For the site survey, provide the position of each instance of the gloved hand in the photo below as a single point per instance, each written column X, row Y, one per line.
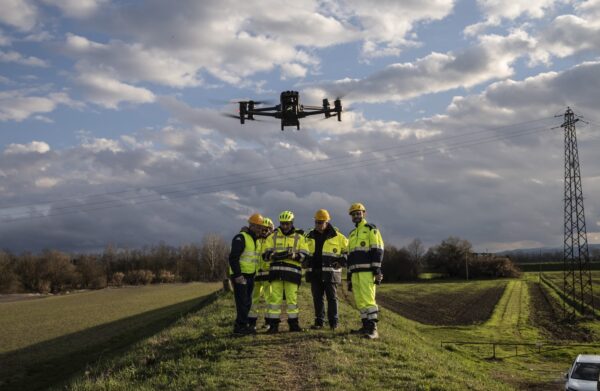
column 336, row 265
column 280, row 256
column 296, row 257
column 378, row 278
column 349, row 286
column 268, row 255
column 240, row 280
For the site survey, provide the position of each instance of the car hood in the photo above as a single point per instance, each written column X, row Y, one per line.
column 582, row 385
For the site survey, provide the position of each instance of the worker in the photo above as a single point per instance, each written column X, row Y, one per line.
column 262, row 288
column 365, row 254
column 242, row 267
column 285, row 249
column 327, row 249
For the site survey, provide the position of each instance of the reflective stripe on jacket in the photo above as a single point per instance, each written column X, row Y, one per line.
column 286, row 269
column 262, row 270
column 365, row 248
column 249, row 257
column 335, row 249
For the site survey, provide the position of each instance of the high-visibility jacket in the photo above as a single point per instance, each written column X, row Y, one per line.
column 248, row 259
column 262, row 270
column 365, row 248
column 287, row 269
column 334, row 251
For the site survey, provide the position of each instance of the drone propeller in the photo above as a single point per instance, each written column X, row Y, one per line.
column 229, row 115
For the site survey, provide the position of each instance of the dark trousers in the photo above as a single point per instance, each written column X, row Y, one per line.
column 329, row 289
column 243, row 299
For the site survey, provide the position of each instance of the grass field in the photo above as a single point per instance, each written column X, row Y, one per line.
column 517, row 317
column 44, row 340
column 199, row 353
column 555, row 282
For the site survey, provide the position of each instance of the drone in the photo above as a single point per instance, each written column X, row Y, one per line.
column 289, row 110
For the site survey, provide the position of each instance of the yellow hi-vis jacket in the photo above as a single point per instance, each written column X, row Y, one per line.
column 286, row 253
column 325, row 264
column 262, row 270
column 365, row 248
column 248, row 259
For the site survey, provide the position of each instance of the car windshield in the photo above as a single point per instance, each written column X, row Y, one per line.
column 586, row 371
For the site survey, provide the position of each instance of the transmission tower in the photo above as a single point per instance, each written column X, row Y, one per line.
column 577, row 275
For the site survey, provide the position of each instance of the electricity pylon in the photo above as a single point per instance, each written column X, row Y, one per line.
column 577, row 275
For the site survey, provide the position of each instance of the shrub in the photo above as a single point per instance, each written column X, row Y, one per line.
column 165, row 276
column 117, row 279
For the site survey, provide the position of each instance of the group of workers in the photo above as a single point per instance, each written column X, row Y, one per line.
column 268, row 262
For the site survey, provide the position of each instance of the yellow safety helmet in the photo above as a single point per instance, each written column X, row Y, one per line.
column 322, row 215
column 267, row 222
column 356, row 206
column 256, row 218
column 286, row 216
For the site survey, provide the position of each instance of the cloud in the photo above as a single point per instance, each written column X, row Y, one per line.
column 77, row 8
column 109, row 93
column 130, row 62
column 566, row 36
column 495, row 11
column 34, row 146
column 15, row 57
column 17, row 105
column 20, row 14
column 490, row 59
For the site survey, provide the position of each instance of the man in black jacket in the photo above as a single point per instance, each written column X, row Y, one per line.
column 243, row 259
column 327, row 249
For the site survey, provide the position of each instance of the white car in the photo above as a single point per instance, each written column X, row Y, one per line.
column 583, row 375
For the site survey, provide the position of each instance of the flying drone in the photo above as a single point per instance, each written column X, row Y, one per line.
column 289, row 110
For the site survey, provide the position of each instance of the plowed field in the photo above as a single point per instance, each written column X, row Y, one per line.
column 451, row 304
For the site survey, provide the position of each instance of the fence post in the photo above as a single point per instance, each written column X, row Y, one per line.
column 494, row 349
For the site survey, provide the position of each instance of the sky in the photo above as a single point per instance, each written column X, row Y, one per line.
column 112, row 129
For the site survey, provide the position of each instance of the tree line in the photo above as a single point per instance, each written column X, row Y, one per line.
column 54, row 271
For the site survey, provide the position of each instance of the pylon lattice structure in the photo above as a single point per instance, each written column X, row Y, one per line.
column 577, row 275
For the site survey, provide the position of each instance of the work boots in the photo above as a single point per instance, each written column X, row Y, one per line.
column 252, row 324
column 294, row 325
column 273, row 326
column 363, row 329
column 243, row 329
column 318, row 325
column 371, row 332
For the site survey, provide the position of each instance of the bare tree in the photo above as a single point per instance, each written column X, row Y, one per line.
column 416, row 251
column 213, row 257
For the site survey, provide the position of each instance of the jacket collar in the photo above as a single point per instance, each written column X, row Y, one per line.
column 291, row 232
column 249, row 232
column 329, row 232
column 361, row 223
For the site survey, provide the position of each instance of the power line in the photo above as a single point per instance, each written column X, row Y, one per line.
column 277, row 169
column 261, row 181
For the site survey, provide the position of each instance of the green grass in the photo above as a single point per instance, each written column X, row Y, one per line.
column 198, row 352
column 43, row 340
column 510, row 322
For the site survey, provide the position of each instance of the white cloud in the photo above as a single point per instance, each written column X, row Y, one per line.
column 131, row 62
column 17, row 105
column 292, row 70
column 20, row 14
column 565, row 36
column 34, row 146
column 109, row 93
column 102, row 144
column 15, row 57
column 495, row 11
column 385, row 29
column 491, row 59
column 77, row 8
